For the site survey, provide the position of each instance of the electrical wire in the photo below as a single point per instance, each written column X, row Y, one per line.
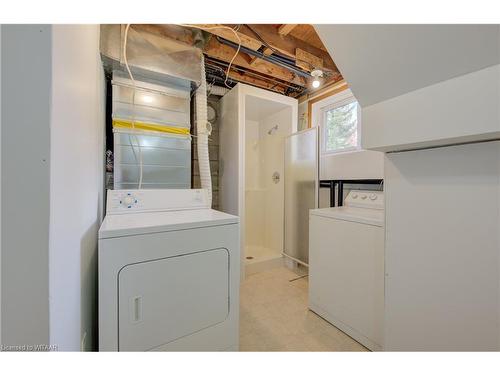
column 259, row 76
column 280, row 54
column 227, row 28
column 133, row 105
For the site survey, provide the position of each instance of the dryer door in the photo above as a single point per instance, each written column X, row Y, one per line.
column 165, row 299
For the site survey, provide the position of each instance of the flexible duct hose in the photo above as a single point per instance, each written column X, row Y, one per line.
column 203, row 130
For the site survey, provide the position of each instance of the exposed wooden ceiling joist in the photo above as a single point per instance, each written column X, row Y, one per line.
column 267, row 51
column 240, row 77
column 251, row 77
column 264, row 38
column 287, row 44
column 286, row 28
column 224, row 32
column 225, row 53
column 308, row 34
column 308, row 61
column 280, row 41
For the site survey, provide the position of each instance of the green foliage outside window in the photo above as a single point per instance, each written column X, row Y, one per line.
column 342, row 127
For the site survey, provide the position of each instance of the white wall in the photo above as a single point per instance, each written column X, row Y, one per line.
column 230, row 150
column 302, row 117
column 0, row 185
column 274, row 151
column 76, row 184
column 360, row 164
column 380, row 62
column 442, row 248
column 254, row 188
column 52, row 133
column 253, row 156
column 462, row 109
column 420, row 85
column 26, row 84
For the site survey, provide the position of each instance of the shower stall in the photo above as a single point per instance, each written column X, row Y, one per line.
column 254, row 124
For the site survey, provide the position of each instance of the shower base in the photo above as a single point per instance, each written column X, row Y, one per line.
column 258, row 259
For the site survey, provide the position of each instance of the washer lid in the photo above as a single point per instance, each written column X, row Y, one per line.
column 153, row 222
column 354, row 214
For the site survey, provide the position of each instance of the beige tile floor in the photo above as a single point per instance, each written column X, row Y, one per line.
column 274, row 317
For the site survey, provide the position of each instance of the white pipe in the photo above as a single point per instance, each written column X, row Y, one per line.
column 203, row 131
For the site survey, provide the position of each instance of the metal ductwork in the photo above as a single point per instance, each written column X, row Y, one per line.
column 150, row 55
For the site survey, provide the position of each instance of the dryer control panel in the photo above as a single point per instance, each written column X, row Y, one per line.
column 146, row 200
column 366, row 199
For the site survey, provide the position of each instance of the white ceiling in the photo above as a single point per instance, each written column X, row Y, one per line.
column 384, row 61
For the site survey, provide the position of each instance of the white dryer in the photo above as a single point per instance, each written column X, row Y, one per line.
column 168, row 273
column 346, row 266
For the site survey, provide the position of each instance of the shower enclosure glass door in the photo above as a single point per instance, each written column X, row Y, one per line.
column 301, row 191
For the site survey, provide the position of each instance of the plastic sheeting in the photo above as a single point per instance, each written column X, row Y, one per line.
column 152, row 53
column 301, row 191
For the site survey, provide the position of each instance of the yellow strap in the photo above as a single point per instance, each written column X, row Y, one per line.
column 151, row 127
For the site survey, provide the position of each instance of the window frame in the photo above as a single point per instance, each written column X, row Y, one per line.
column 335, row 101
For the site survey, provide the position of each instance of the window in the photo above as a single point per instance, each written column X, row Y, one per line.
column 340, row 122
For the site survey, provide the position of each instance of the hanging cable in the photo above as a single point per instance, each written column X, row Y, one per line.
column 125, row 39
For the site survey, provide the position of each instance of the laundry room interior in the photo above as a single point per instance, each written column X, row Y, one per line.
column 250, row 187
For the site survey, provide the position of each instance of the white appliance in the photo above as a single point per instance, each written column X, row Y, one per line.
column 346, row 266
column 168, row 273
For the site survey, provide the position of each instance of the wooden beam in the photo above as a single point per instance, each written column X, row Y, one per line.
column 225, row 53
column 307, row 61
column 225, row 33
column 267, row 51
column 221, row 52
column 286, row 28
column 256, row 82
column 284, row 43
column 287, row 44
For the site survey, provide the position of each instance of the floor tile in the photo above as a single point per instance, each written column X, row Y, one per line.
column 274, row 316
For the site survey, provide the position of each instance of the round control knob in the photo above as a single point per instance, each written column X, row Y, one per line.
column 128, row 201
column 373, row 197
column 363, row 196
column 354, row 196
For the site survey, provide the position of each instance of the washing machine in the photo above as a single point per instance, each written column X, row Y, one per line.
column 168, row 273
column 346, row 266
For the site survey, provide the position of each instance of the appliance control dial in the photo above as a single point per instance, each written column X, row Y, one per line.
column 128, row 200
column 373, row 197
column 364, row 196
column 355, row 195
